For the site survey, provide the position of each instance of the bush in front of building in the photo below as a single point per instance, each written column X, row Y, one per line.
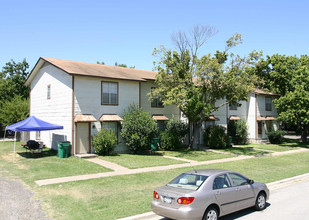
column 276, row 137
column 138, row 129
column 104, row 142
column 172, row 137
column 238, row 130
column 215, row 137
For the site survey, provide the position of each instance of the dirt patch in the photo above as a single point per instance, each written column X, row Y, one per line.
column 16, row 201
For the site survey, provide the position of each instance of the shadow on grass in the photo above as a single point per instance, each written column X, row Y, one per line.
column 293, row 143
column 46, row 152
column 248, row 151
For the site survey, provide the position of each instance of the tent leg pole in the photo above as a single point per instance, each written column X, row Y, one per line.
column 14, row 155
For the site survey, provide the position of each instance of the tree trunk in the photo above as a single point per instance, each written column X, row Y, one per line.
column 304, row 133
column 194, row 134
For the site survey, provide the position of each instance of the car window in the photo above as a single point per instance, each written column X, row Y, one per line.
column 238, row 180
column 188, row 181
column 221, row 181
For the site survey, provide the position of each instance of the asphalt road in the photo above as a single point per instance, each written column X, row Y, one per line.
column 288, row 202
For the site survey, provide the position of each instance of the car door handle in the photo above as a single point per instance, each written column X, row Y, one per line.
column 218, row 193
column 237, row 189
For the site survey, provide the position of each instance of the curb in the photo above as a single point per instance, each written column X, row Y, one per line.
column 272, row 186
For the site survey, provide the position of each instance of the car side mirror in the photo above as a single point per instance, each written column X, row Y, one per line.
column 250, row 181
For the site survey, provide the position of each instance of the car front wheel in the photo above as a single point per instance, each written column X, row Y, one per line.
column 260, row 202
column 211, row 213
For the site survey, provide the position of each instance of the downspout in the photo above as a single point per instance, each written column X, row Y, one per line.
column 73, row 124
column 256, row 123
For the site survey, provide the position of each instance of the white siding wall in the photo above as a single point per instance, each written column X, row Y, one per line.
column 57, row 109
column 170, row 111
column 88, row 101
column 251, row 119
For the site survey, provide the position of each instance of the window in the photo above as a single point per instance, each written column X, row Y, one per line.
column 37, row 135
column 233, row 106
column 48, row 91
column 238, row 180
column 109, row 93
column 113, row 125
column 268, row 103
column 156, row 102
column 221, row 182
column 188, row 181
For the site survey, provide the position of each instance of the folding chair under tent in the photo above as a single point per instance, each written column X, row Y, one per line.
column 31, row 124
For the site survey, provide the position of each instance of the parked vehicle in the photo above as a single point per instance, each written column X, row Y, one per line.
column 208, row 194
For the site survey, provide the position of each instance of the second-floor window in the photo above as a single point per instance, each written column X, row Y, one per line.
column 156, row 102
column 233, row 106
column 109, row 93
column 48, row 91
column 268, row 103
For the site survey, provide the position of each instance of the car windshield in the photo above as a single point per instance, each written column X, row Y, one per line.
column 188, row 181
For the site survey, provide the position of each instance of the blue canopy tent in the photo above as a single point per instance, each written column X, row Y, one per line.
column 31, row 124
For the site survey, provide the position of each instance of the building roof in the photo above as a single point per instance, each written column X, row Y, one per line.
column 93, row 70
column 262, row 92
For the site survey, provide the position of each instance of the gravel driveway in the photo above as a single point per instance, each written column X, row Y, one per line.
column 16, row 202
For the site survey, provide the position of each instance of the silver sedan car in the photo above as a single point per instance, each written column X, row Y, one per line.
column 208, row 194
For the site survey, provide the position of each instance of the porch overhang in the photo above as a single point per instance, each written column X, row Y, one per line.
column 84, row 118
column 160, row 118
column 234, row 118
column 212, row 118
column 267, row 118
column 110, row 117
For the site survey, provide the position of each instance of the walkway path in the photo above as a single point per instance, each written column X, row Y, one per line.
column 119, row 170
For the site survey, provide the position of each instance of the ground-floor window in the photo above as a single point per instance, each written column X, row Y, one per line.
column 269, row 126
column 113, row 125
column 161, row 125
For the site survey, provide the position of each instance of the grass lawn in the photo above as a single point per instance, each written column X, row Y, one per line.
column 139, row 161
column 243, row 150
column 120, row 196
column 196, row 155
column 272, row 147
column 30, row 167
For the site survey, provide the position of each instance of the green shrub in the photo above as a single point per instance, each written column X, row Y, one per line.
column 104, row 142
column 172, row 137
column 215, row 137
column 275, row 137
column 138, row 129
column 238, row 130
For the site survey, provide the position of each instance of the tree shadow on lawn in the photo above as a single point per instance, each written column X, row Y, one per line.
column 293, row 143
column 249, row 151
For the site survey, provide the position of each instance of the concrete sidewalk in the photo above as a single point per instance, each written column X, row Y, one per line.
column 119, row 170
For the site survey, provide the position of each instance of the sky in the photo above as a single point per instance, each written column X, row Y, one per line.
column 128, row 31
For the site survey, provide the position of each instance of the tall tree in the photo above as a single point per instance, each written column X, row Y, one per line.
column 13, row 77
column 195, row 85
column 288, row 76
column 14, row 102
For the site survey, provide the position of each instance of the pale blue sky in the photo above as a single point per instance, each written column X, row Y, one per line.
column 128, row 31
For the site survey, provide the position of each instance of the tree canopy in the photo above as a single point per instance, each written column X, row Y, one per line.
column 288, row 76
column 196, row 84
column 14, row 102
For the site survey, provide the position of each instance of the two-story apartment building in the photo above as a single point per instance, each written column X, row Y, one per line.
column 86, row 97
column 259, row 113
